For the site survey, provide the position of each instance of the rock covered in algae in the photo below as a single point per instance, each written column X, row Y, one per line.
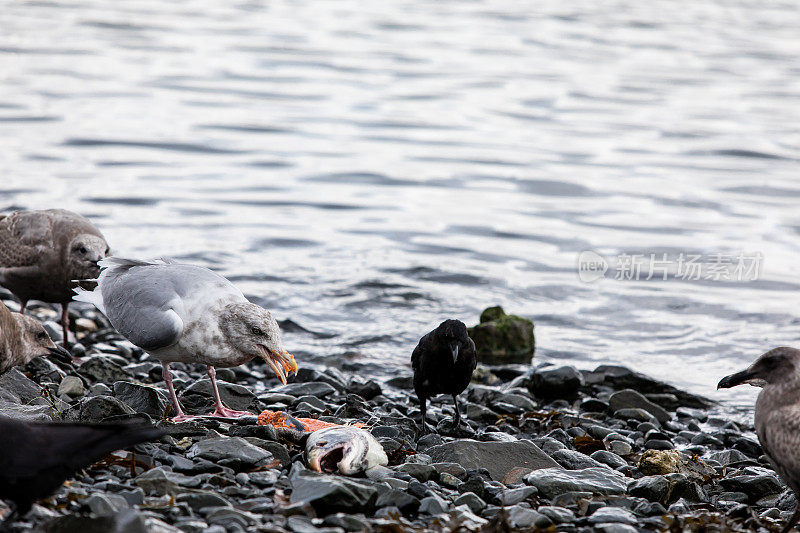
column 502, row 338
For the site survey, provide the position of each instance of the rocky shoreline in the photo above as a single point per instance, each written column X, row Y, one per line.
column 604, row 450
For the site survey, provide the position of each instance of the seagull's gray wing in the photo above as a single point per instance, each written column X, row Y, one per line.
column 141, row 304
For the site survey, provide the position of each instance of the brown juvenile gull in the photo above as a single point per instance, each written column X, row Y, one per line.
column 43, row 252
column 777, row 416
column 185, row 313
column 23, row 338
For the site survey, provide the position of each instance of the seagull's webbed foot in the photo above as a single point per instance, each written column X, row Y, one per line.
column 223, row 412
column 219, row 409
column 183, row 418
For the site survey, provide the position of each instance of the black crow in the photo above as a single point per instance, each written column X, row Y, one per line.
column 443, row 362
column 36, row 457
column 777, row 416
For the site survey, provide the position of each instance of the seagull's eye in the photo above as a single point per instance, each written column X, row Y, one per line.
column 82, row 249
column 41, row 335
column 256, row 331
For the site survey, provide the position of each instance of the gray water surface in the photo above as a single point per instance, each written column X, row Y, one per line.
column 367, row 169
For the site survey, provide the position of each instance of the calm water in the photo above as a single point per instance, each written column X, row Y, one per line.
column 367, row 170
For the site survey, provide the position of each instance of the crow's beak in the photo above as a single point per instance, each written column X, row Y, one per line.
column 454, row 350
column 280, row 363
column 60, row 354
column 736, row 379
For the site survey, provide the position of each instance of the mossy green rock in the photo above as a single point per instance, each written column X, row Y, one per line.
column 502, row 338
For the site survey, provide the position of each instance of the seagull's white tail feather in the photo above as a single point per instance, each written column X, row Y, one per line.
column 94, row 297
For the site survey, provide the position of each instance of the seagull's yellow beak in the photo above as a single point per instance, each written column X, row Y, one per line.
column 280, row 363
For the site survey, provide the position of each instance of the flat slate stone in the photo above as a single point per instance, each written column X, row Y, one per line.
column 497, row 457
column 630, row 399
column 552, row 482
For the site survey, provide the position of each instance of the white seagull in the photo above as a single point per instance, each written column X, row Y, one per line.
column 186, row 313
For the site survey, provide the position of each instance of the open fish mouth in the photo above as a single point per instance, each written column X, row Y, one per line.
column 280, row 363
column 329, row 461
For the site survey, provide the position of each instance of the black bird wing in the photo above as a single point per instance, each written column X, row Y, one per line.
column 36, row 458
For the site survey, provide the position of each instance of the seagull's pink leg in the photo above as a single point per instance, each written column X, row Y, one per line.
column 181, row 416
column 22, row 304
column 219, row 409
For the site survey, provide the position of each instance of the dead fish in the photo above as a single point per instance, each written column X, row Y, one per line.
column 345, row 449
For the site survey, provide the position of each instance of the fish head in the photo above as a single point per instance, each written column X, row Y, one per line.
column 337, row 449
column 253, row 331
column 777, row 365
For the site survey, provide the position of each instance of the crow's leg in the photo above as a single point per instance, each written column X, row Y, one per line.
column 219, row 409
column 457, row 416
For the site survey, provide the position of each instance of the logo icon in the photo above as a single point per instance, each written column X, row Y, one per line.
column 591, row 266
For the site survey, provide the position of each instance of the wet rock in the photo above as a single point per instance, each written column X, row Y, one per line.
column 630, row 399
column 471, row 500
column 613, row 527
column 141, row 399
column 320, row 389
column 515, row 496
column 593, row 405
column 620, row 377
column 234, row 452
column 562, row 382
column 612, row 515
column 479, row 413
column 755, row 486
column 98, row 408
column 16, row 387
column 418, row 471
column 127, row 521
column 652, row 488
column 366, row 389
column 71, row 386
column 100, row 368
column 608, row 458
column 572, row 460
column 161, row 482
column 106, row 504
column 198, row 499
column 199, row 397
column 619, row 447
column 524, row 517
column 227, row 516
column 432, row 505
column 347, row 522
column 552, row 482
column 331, row 494
column 44, row 370
column 406, row 503
column 498, row 458
column 502, row 338
column 635, row 414
column 454, row 469
column 727, row 457
column 558, row 515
